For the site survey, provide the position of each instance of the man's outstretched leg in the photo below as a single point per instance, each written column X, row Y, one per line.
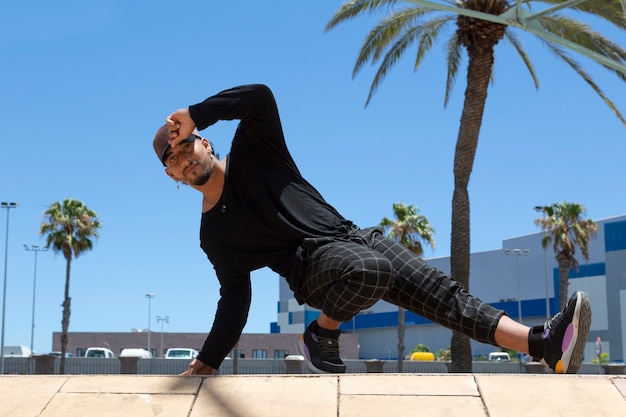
column 420, row 288
column 559, row 342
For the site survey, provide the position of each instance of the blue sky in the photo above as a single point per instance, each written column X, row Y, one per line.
column 86, row 84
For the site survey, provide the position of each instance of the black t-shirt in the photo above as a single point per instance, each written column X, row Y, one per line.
column 265, row 211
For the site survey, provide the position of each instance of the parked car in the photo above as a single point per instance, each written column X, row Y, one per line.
column 181, row 353
column 17, row 352
column 58, row 354
column 99, row 352
column 499, row 357
column 135, row 353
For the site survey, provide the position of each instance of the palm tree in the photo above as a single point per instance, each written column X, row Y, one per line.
column 423, row 26
column 564, row 226
column 69, row 227
column 410, row 229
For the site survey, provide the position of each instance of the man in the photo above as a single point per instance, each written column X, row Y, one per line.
column 258, row 211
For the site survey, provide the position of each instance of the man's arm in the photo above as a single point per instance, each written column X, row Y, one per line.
column 230, row 319
column 252, row 103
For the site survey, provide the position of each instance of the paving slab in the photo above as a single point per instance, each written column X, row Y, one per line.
column 268, row 395
column 106, row 405
column 405, row 405
column 550, row 395
column 133, row 384
column 409, row 384
column 620, row 383
column 27, row 395
column 398, row 394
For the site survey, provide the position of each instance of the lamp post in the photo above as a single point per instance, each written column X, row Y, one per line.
column 517, row 253
column 545, row 264
column 163, row 320
column 36, row 249
column 149, row 296
column 7, row 206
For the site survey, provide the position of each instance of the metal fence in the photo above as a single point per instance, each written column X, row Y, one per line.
column 159, row 366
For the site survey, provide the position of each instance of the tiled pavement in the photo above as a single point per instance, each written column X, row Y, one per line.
column 367, row 395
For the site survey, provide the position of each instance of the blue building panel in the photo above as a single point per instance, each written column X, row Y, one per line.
column 584, row 271
column 386, row 319
column 274, row 327
column 309, row 316
column 530, row 308
column 588, row 270
column 615, row 236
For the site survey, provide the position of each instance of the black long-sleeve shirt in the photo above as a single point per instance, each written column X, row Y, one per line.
column 265, row 211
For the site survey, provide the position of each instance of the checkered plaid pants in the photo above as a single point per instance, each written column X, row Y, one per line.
column 344, row 276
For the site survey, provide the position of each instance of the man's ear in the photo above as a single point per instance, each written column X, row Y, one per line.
column 169, row 174
column 207, row 145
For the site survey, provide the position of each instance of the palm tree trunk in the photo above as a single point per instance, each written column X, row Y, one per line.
column 478, row 74
column 65, row 322
column 401, row 330
column 564, row 266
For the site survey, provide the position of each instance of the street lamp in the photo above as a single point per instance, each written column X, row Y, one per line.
column 4, row 291
column 163, row 320
column 545, row 264
column 36, row 249
column 149, row 296
column 517, row 253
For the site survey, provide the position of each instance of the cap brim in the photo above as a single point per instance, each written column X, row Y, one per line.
column 190, row 138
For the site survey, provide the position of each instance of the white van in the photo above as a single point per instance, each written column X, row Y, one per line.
column 181, row 353
column 135, row 353
column 99, row 352
column 16, row 352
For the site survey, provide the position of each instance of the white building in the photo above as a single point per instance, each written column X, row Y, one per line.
column 494, row 278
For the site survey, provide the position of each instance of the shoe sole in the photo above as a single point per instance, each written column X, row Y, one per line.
column 304, row 351
column 581, row 322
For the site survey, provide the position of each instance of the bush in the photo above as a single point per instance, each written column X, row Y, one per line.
column 420, row 348
column 604, row 358
column 443, row 354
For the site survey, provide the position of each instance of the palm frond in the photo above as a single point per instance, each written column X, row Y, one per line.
column 609, row 10
column 522, row 53
column 354, row 8
column 391, row 57
column 453, row 57
column 581, row 34
column 576, row 67
column 430, row 34
column 383, row 34
column 429, row 30
column 410, row 228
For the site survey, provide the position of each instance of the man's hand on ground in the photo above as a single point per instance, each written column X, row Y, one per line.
column 197, row 367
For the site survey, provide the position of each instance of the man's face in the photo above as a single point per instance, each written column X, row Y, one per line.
column 190, row 162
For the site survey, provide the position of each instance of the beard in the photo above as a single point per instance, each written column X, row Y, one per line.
column 202, row 177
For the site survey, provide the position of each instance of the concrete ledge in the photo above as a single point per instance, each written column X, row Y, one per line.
column 374, row 395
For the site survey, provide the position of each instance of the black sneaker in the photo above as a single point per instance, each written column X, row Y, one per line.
column 565, row 335
column 321, row 351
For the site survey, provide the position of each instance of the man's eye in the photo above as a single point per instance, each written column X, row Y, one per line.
column 172, row 159
column 187, row 147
